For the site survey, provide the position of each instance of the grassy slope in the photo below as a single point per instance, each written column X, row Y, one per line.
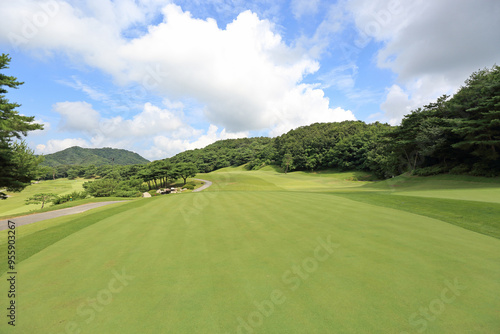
column 443, row 186
column 200, row 261
column 15, row 205
column 469, row 202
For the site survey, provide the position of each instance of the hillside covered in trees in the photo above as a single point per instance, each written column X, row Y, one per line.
column 93, row 156
column 459, row 135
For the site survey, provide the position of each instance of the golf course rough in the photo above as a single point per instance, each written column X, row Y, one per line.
column 261, row 252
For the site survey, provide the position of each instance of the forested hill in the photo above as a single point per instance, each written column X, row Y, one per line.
column 344, row 145
column 457, row 135
column 93, row 156
column 229, row 152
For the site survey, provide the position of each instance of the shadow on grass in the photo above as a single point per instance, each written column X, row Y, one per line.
column 480, row 217
column 441, row 182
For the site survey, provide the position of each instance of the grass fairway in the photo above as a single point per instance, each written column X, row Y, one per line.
column 259, row 252
column 457, row 187
column 15, row 204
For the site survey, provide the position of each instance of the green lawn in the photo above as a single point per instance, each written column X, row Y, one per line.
column 15, row 204
column 263, row 252
column 443, row 186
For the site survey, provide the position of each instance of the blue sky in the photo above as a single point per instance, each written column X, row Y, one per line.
column 160, row 77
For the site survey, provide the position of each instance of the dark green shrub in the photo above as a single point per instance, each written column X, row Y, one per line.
column 460, row 169
column 74, row 196
column 428, row 171
column 127, row 193
column 101, row 188
column 482, row 169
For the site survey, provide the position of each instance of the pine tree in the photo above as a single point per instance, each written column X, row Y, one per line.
column 14, row 177
column 479, row 103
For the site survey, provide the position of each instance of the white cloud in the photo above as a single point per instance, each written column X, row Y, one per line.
column 46, row 128
column 452, row 38
column 304, row 7
column 80, row 116
column 433, row 46
column 152, row 120
column 77, row 116
column 296, row 109
column 55, row 145
column 243, row 74
column 236, row 72
column 166, row 146
column 396, row 105
column 155, row 133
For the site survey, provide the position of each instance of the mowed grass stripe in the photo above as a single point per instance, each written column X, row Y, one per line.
column 199, row 265
column 480, row 217
column 33, row 243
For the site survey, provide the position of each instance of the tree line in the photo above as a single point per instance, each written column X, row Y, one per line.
column 124, row 181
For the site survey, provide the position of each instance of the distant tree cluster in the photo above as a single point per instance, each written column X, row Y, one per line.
column 128, row 181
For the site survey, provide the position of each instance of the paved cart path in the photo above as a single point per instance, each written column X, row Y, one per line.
column 205, row 186
column 36, row 217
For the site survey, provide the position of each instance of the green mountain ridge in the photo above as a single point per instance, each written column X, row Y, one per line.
column 93, row 156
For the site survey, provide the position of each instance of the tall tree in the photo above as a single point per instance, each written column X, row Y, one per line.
column 287, row 161
column 185, row 170
column 13, row 126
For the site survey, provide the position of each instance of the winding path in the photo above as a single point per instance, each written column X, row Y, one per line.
column 205, row 186
column 36, row 217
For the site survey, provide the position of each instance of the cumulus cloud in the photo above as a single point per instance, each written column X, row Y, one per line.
column 77, row 116
column 55, row 145
column 46, row 128
column 244, row 74
column 433, row 46
column 306, row 105
column 151, row 120
column 80, row 116
column 155, row 133
column 238, row 72
column 396, row 105
column 165, row 146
